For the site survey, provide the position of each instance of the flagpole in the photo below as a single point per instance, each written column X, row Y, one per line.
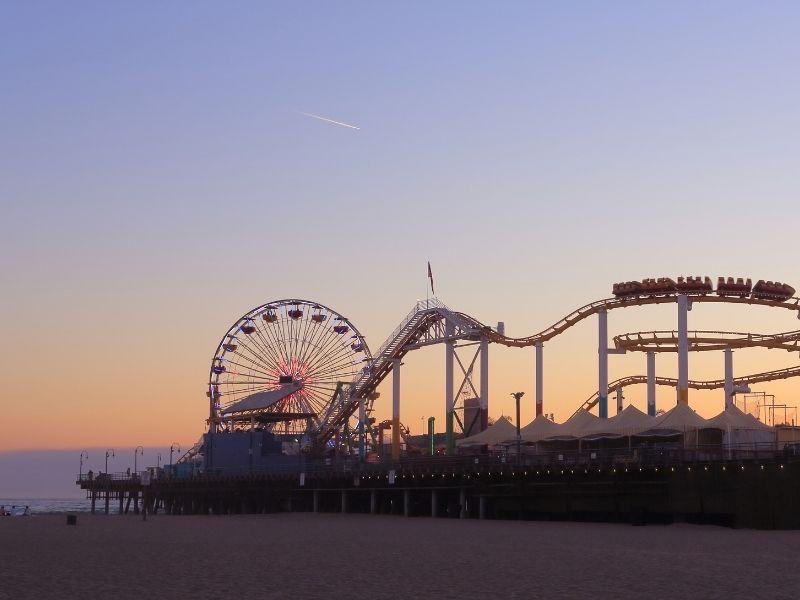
column 430, row 276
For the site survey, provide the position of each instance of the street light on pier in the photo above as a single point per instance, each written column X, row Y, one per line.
column 139, row 450
column 517, row 397
column 158, row 463
column 109, row 452
column 84, row 454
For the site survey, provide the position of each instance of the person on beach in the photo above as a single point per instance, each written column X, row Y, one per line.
column 2, row 511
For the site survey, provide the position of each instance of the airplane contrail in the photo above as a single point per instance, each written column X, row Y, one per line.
column 329, row 120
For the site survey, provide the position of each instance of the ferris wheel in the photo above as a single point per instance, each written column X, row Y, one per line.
column 281, row 365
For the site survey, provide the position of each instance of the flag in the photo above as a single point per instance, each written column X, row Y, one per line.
column 430, row 276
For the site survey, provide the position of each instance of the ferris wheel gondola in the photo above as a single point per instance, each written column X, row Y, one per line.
column 279, row 366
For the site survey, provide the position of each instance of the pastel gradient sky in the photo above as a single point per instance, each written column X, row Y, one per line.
column 158, row 179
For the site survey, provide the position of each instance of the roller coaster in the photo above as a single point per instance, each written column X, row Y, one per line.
column 274, row 365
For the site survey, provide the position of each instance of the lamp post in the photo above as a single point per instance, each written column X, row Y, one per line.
column 139, row 450
column 517, row 396
column 84, row 454
column 109, row 452
column 158, row 463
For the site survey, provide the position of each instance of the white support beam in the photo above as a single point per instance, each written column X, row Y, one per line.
column 683, row 349
column 539, row 378
column 484, row 383
column 602, row 366
column 651, row 384
column 396, row 409
column 728, row 377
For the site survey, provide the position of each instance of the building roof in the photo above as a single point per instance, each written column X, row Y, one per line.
column 260, row 400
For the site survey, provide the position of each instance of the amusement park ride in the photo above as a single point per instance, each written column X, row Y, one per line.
column 299, row 369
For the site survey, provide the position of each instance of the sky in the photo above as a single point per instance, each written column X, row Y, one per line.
column 158, row 179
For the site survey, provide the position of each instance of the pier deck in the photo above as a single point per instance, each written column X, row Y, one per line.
column 758, row 491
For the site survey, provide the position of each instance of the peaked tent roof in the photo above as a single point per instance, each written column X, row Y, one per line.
column 733, row 418
column 579, row 424
column 628, row 422
column 501, row 431
column 678, row 419
column 758, row 423
column 538, row 429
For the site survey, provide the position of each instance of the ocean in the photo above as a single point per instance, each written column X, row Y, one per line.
column 48, row 505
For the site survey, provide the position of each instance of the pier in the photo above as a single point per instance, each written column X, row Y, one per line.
column 754, row 490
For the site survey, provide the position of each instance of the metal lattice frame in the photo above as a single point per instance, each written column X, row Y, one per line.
column 280, row 364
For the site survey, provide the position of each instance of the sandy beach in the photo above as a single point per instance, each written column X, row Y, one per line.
column 361, row 556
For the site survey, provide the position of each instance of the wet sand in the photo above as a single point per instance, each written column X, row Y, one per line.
column 361, row 556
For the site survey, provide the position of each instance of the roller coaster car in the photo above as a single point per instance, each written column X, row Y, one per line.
column 656, row 287
column 740, row 287
column 694, row 285
column 627, row 288
column 772, row 290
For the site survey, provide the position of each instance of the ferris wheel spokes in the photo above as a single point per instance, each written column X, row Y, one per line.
column 286, row 343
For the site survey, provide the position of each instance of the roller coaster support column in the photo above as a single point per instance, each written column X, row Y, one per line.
column 396, row 409
column 539, row 379
column 619, row 398
column 602, row 355
column 484, row 383
column 651, row 384
column 728, row 377
column 362, row 418
column 683, row 349
column 450, row 351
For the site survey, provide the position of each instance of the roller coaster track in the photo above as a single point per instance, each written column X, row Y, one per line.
column 697, row 385
column 667, row 341
column 613, row 303
column 430, row 314
column 700, row 341
column 422, row 318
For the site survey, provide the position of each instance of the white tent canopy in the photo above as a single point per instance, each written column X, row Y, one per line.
column 538, row 429
column 740, row 428
column 679, row 419
column 577, row 426
column 501, row 431
column 737, row 427
column 628, row 422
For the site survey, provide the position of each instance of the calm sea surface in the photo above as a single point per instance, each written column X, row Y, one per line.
column 48, row 505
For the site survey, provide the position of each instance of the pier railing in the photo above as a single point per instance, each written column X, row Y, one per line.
column 638, row 458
